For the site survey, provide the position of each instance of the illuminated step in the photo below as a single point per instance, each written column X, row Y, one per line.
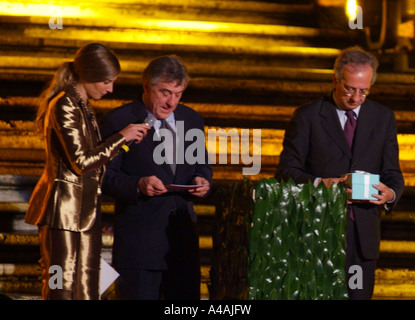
column 197, row 26
column 205, row 242
column 7, row 269
column 390, row 275
column 116, row 13
column 397, row 246
column 205, row 280
column 13, row 239
column 394, row 284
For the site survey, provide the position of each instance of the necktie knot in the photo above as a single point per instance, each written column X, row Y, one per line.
column 351, row 115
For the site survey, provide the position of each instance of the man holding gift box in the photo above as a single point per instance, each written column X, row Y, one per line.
column 363, row 186
column 344, row 133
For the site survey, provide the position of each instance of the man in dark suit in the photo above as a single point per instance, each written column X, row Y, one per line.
column 155, row 237
column 315, row 149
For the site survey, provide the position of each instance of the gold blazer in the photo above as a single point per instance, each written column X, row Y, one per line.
column 66, row 195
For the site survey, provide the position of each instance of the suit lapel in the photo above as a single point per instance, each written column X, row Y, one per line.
column 185, row 126
column 365, row 125
column 152, row 143
column 149, row 140
column 330, row 122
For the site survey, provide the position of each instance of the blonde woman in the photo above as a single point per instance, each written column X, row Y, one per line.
column 65, row 202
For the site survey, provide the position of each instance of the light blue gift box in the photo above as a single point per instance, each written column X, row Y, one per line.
column 362, row 185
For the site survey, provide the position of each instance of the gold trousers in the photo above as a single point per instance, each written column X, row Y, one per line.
column 70, row 263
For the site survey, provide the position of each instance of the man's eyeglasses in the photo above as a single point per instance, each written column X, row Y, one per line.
column 350, row 91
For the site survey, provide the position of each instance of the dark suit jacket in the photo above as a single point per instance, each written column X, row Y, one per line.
column 147, row 229
column 315, row 146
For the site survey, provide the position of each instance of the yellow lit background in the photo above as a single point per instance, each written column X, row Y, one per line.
column 351, row 9
column 127, row 22
column 231, row 45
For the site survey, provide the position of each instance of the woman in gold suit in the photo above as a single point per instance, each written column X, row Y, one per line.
column 65, row 202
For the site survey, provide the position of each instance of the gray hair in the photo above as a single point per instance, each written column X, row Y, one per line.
column 167, row 69
column 358, row 56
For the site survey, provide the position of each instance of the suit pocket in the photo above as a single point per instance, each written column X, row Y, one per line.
column 67, row 208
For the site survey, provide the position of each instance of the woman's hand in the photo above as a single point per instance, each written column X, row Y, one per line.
column 135, row 132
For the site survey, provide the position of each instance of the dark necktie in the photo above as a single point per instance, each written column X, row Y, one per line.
column 350, row 127
column 170, row 149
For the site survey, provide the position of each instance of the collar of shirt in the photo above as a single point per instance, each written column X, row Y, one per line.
column 342, row 113
column 170, row 120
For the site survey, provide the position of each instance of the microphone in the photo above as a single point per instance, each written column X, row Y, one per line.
column 149, row 120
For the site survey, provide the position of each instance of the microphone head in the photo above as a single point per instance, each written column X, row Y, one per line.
column 150, row 120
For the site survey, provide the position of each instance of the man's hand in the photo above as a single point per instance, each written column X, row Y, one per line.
column 151, row 186
column 200, row 191
column 329, row 181
column 385, row 194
